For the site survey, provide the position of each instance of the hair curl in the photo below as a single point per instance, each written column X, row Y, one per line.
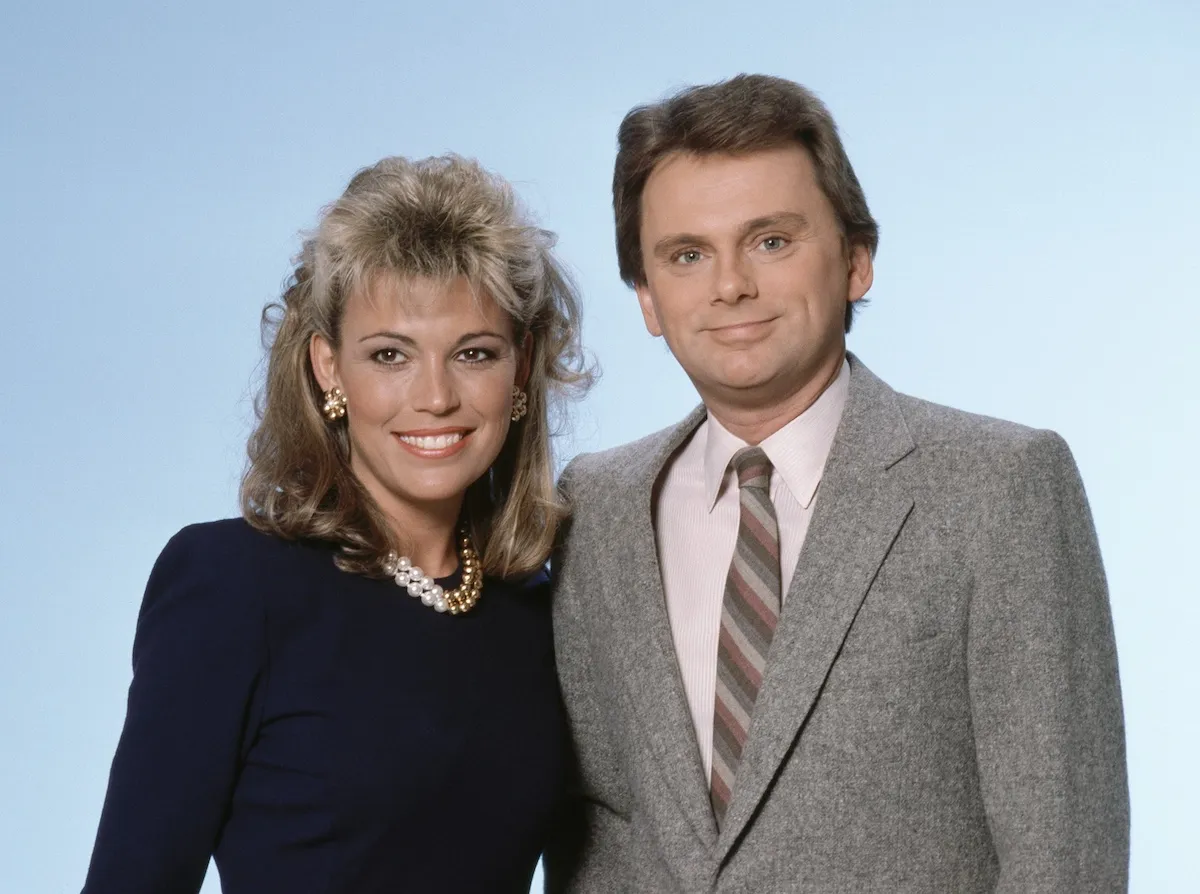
column 438, row 218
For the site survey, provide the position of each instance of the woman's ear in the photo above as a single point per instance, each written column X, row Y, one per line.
column 324, row 362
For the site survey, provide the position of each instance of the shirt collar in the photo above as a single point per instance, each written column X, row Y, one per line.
column 797, row 451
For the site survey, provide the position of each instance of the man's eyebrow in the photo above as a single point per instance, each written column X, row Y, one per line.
column 790, row 219
column 668, row 245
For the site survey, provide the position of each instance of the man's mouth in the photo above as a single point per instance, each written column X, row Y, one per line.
column 747, row 330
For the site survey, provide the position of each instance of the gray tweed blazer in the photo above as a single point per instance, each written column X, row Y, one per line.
column 940, row 710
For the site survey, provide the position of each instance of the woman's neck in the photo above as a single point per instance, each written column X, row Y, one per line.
column 427, row 535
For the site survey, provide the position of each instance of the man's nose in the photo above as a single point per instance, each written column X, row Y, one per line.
column 735, row 278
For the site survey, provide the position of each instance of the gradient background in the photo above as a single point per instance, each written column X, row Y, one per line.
column 1033, row 167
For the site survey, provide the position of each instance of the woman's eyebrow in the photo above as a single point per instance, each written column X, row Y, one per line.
column 482, row 333
column 388, row 334
column 400, row 337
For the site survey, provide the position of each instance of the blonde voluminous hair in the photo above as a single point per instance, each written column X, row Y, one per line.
column 437, row 218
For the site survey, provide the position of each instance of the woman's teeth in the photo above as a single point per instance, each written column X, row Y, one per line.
column 432, row 442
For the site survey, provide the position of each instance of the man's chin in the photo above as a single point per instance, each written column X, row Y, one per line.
column 742, row 377
column 745, row 391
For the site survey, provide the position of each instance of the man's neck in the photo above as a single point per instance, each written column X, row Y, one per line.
column 754, row 422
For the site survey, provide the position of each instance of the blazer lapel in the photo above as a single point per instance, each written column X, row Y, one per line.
column 860, row 510
column 647, row 652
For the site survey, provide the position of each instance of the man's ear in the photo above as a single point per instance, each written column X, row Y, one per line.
column 862, row 272
column 324, row 363
column 649, row 314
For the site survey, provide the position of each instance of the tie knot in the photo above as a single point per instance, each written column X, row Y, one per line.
column 752, row 467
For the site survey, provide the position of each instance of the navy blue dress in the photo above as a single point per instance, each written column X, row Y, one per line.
column 318, row 731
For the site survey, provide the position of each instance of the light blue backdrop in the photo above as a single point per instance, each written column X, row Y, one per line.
column 1033, row 166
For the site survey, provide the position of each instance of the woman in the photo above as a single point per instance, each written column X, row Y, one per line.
column 351, row 689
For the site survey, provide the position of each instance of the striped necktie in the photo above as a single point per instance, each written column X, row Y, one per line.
column 748, row 619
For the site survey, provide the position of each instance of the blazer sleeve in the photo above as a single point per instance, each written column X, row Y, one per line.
column 589, row 849
column 197, row 655
column 1045, row 695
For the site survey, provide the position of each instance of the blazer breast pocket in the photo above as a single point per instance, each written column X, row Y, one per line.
column 919, row 597
column 900, row 638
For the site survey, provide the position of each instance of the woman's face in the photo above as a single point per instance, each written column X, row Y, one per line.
column 428, row 372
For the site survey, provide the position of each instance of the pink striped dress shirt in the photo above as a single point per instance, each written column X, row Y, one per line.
column 696, row 523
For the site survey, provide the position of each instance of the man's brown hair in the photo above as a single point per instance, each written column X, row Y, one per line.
column 747, row 113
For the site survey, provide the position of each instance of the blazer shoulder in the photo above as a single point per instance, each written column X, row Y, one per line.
column 987, row 456
column 934, row 424
column 613, row 464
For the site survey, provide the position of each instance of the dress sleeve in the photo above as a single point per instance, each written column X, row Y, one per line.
column 198, row 655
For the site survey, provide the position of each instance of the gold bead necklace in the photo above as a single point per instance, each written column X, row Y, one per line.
column 421, row 586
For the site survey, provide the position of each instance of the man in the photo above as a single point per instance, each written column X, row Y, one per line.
column 819, row 636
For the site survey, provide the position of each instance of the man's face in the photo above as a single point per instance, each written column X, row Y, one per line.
column 747, row 274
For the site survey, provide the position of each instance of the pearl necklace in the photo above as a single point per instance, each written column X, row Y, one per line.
column 421, row 586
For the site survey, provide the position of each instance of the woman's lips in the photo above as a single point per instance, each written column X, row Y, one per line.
column 433, row 444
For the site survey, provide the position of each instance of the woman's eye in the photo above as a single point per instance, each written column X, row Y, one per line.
column 388, row 356
column 476, row 355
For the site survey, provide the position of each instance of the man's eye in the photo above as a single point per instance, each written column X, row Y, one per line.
column 691, row 256
column 773, row 243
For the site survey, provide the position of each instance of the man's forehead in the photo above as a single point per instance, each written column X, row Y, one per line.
column 790, row 155
column 726, row 191
column 723, row 192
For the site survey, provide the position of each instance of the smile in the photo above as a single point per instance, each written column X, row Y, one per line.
column 432, row 442
column 751, row 330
